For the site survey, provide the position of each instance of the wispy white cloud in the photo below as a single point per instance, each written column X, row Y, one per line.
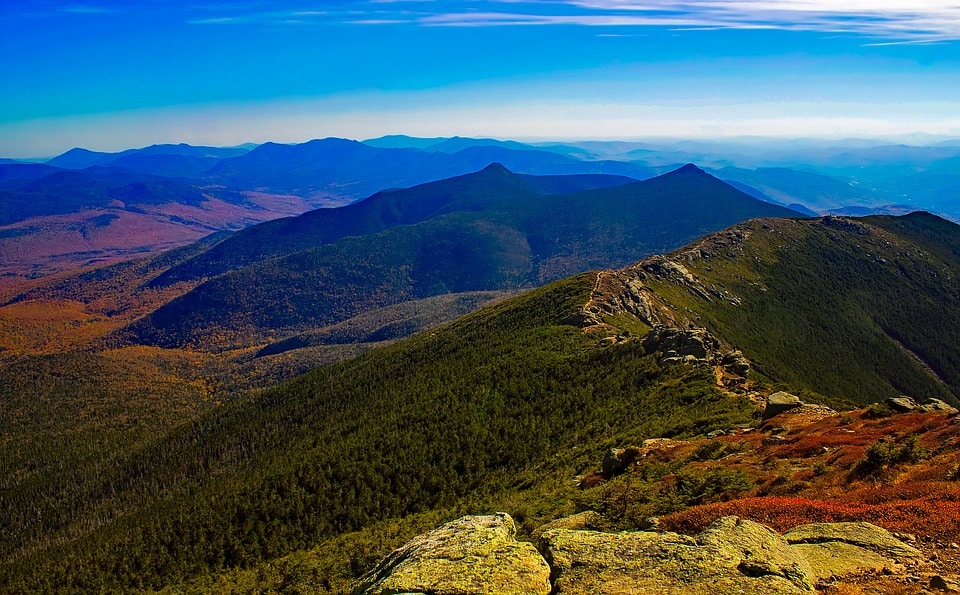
column 894, row 20
column 897, row 19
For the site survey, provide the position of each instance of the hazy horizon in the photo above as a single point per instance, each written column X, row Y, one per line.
column 107, row 75
column 745, row 143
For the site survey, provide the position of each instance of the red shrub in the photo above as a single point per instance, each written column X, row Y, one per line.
column 931, row 518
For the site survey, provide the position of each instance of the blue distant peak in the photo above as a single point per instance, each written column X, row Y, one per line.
column 690, row 168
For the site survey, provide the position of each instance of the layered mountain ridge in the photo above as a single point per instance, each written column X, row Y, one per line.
column 202, row 189
column 492, row 230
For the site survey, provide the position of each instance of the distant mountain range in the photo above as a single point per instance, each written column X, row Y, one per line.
column 56, row 223
column 846, row 173
column 82, row 158
column 336, row 168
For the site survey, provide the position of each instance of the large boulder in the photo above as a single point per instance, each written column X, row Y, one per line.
column 935, row 405
column 902, row 404
column 864, row 535
column 837, row 550
column 780, row 402
column 731, row 556
column 582, row 521
column 473, row 555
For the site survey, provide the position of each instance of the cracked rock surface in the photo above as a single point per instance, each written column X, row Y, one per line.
column 472, row 555
column 478, row 555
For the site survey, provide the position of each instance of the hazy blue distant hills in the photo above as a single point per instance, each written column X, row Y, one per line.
column 865, row 211
column 443, row 144
column 180, row 161
column 486, row 231
column 540, row 162
column 11, row 171
column 329, row 167
column 161, row 164
column 80, row 158
column 457, row 143
column 815, row 191
column 402, row 141
column 886, row 154
column 820, row 175
column 262, row 182
column 343, row 168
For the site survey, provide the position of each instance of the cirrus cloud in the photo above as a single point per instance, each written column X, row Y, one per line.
column 917, row 20
column 893, row 21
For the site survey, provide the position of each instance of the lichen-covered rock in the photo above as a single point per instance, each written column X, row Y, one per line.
column 902, row 404
column 934, row 405
column 838, row 550
column 761, row 550
column 479, row 555
column 864, row 535
column 779, row 402
column 473, row 555
column 731, row 556
column 587, row 520
column 835, row 559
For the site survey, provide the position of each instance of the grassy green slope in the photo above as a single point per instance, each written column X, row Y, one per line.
column 461, row 414
column 854, row 309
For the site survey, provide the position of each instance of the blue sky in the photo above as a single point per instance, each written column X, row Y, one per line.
column 109, row 75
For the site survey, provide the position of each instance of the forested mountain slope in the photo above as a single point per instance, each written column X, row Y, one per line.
column 500, row 409
column 487, row 231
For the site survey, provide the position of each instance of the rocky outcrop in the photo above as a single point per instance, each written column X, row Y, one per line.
column 473, row 555
column 582, row 521
column 731, row 556
column 780, row 402
column 864, row 535
column 673, row 336
column 479, row 555
column 689, row 345
column 905, row 404
column 835, row 550
column 736, row 364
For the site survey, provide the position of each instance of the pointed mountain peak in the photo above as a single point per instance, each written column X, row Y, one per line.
column 497, row 167
column 689, row 169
